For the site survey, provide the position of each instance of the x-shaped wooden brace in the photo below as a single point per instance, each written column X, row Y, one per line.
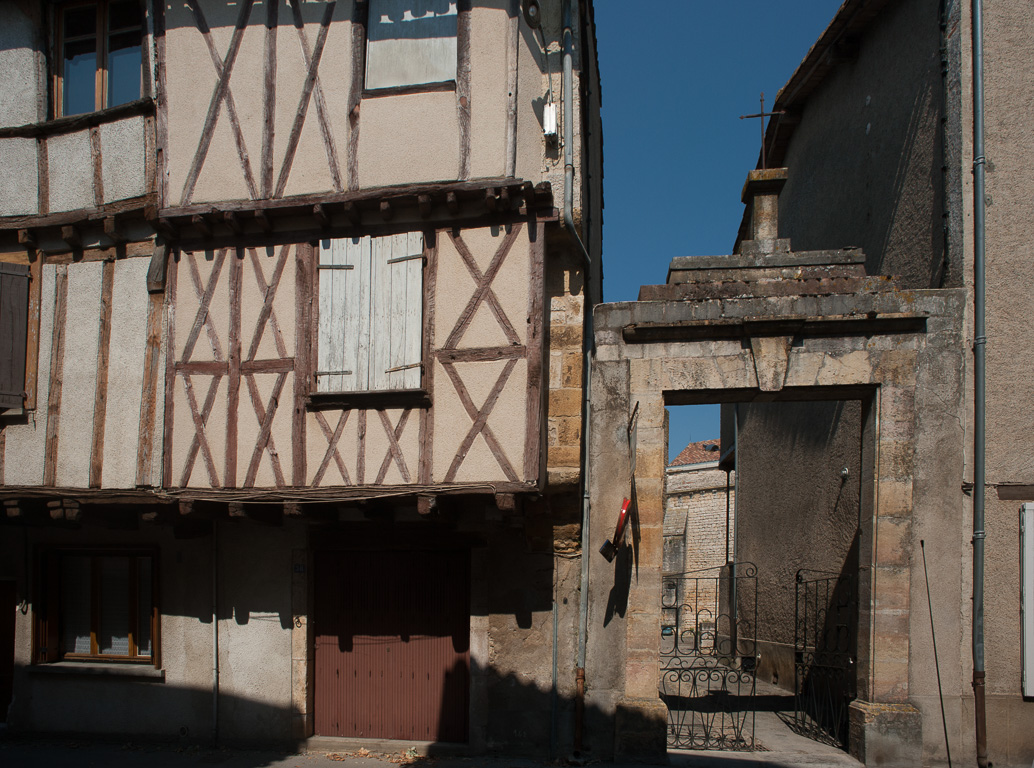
column 265, row 438
column 267, row 313
column 223, row 68
column 394, row 452
column 332, row 451
column 480, row 421
column 203, row 319
column 200, row 441
column 312, row 83
column 483, row 291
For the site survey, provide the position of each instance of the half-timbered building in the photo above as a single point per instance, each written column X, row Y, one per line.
column 292, row 299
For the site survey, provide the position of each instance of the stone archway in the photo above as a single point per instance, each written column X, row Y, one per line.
column 792, row 326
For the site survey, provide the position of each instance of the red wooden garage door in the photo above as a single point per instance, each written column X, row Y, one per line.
column 392, row 644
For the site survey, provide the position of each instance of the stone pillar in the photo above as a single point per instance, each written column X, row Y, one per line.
column 885, row 729
column 642, row 718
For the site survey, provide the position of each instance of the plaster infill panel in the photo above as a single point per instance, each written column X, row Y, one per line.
column 188, row 304
column 19, row 193
column 281, row 317
column 70, row 162
column 122, row 159
column 318, row 451
column 454, row 287
column 408, row 139
column 126, row 352
column 489, row 56
column 378, row 455
column 310, row 167
column 191, row 81
column 82, row 334
column 184, row 432
column 259, row 394
column 18, row 62
column 25, row 448
column 507, row 421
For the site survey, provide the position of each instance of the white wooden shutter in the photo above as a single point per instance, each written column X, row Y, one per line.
column 371, row 313
column 396, row 312
column 410, row 43
column 340, row 284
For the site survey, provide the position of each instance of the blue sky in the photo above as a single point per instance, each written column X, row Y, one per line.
column 676, row 76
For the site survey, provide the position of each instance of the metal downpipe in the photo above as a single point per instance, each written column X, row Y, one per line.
column 979, row 390
column 568, row 217
column 215, row 632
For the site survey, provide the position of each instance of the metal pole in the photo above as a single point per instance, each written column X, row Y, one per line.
column 936, row 661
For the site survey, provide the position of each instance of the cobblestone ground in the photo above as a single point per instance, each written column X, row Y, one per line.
column 783, row 752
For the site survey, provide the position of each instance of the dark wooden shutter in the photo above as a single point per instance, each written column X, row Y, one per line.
column 14, row 316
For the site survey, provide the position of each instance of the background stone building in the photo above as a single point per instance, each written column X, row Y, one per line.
column 877, row 338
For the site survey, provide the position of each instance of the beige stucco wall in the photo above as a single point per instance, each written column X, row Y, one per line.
column 401, row 139
column 25, row 435
column 1009, row 76
column 23, row 65
column 254, row 624
column 71, row 176
column 18, row 166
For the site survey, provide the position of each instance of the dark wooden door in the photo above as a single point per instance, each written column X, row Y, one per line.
column 7, row 612
column 392, row 644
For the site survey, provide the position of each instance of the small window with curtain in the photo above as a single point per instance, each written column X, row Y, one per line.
column 98, row 606
column 410, row 43
column 370, row 313
column 99, row 50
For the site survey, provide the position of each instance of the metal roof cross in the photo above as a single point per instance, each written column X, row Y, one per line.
column 763, row 114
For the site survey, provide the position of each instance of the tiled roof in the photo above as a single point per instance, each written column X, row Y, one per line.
column 696, row 453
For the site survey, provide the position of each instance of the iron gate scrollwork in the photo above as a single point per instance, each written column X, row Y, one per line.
column 825, row 649
column 709, row 656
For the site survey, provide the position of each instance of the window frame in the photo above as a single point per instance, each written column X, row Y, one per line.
column 408, row 397
column 364, row 8
column 101, row 35
column 48, row 624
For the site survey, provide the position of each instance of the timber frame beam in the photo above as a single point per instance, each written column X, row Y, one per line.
column 411, row 206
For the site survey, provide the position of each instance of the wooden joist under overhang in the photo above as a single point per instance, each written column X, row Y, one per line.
column 191, row 511
column 370, row 211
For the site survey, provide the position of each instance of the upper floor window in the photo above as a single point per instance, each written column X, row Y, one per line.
column 410, row 43
column 370, row 313
column 99, row 49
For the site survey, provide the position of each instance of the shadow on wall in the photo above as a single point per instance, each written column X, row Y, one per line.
column 523, row 720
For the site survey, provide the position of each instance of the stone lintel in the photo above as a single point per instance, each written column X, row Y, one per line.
column 777, row 325
column 641, row 731
column 889, row 735
column 755, row 259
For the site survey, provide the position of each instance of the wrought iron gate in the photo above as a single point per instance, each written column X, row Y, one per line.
column 708, row 657
column 825, row 649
